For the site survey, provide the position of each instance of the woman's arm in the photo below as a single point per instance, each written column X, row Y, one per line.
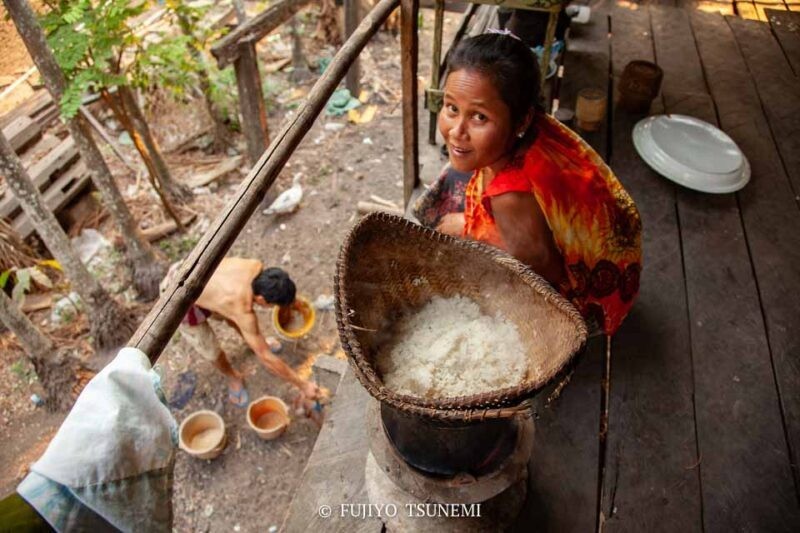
column 526, row 234
column 452, row 224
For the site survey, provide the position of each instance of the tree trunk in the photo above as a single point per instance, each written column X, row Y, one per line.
column 147, row 147
column 221, row 134
column 222, row 137
column 328, row 30
column 110, row 324
column 119, row 111
column 300, row 72
column 146, row 269
column 54, row 368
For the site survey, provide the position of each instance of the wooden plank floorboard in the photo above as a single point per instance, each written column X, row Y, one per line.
column 563, row 482
column 563, row 470
column 772, row 228
column 746, row 10
column 763, row 5
column 786, row 26
column 736, row 403
column 334, row 474
column 778, row 88
column 649, row 484
column 586, row 66
column 720, row 6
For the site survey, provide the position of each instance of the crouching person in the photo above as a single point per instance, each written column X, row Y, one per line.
column 231, row 294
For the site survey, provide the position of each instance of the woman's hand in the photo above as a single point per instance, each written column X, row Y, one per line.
column 452, row 224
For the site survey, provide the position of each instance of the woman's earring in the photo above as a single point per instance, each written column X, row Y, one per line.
column 521, row 134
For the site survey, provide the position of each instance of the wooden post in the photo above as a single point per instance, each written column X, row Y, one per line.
column 435, row 73
column 251, row 92
column 351, row 18
column 158, row 326
column 409, row 45
column 227, row 49
column 251, row 101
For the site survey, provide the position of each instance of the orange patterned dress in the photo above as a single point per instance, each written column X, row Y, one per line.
column 594, row 221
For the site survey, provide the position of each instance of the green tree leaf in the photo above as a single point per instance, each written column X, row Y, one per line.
column 22, row 285
column 4, row 277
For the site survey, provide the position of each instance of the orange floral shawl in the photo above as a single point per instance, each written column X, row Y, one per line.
column 594, row 221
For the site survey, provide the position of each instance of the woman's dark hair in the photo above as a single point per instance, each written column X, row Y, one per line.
column 275, row 286
column 511, row 66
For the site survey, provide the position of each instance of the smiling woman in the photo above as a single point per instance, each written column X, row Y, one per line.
column 537, row 190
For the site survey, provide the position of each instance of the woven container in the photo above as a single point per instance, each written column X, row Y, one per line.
column 389, row 266
column 590, row 109
column 639, row 85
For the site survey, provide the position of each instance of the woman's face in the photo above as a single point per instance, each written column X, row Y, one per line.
column 475, row 122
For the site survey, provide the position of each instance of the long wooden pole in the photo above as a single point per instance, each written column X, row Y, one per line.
column 409, row 45
column 438, row 22
column 351, row 17
column 158, row 326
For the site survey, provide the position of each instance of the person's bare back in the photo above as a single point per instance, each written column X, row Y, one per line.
column 229, row 292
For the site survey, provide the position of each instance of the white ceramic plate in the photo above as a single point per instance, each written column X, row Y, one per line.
column 691, row 153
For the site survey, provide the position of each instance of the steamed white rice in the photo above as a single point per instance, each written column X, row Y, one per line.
column 449, row 348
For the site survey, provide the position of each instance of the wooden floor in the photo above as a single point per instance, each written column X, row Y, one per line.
column 690, row 419
column 703, row 405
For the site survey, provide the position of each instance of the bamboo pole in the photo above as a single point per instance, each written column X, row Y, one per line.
column 158, row 326
column 351, row 12
column 409, row 45
column 437, row 59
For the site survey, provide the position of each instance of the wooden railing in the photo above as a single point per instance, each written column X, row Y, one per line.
column 163, row 319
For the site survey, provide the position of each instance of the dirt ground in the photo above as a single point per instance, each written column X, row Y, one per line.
column 14, row 62
column 249, row 487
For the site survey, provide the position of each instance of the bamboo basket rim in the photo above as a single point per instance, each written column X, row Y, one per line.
column 501, row 403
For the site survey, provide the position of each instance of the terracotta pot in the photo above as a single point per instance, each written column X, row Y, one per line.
column 268, row 417
column 202, row 435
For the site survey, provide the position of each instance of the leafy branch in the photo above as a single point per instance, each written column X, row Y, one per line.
column 98, row 50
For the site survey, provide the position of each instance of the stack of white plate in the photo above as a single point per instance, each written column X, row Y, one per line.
column 692, row 153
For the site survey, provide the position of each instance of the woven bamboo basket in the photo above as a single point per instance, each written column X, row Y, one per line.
column 389, row 266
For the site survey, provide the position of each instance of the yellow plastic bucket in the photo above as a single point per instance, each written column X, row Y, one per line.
column 301, row 308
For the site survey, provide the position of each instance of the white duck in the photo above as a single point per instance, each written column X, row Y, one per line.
column 287, row 201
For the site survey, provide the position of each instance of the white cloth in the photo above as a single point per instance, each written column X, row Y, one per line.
column 114, row 454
